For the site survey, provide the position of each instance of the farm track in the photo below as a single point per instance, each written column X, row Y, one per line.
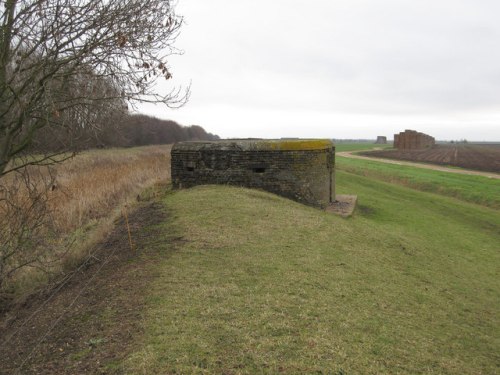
column 475, row 157
column 350, row 154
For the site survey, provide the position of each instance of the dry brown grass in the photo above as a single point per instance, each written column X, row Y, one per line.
column 89, row 193
column 94, row 183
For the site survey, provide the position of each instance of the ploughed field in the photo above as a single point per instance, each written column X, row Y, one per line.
column 482, row 157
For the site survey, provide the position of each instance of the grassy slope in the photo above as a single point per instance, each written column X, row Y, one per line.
column 476, row 189
column 263, row 284
column 339, row 147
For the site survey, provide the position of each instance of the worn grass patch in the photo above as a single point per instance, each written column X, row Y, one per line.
column 264, row 285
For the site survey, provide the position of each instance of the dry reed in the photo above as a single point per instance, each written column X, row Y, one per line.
column 85, row 199
column 94, row 183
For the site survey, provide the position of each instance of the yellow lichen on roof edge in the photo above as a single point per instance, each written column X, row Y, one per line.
column 291, row 145
column 257, row 145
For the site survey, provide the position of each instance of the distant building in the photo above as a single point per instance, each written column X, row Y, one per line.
column 381, row 140
column 413, row 140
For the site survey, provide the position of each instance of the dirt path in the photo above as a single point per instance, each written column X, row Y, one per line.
column 350, row 154
column 91, row 323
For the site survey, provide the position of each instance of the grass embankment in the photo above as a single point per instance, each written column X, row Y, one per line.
column 341, row 147
column 475, row 189
column 89, row 193
column 408, row 285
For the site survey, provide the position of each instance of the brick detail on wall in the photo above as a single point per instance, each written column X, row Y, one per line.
column 304, row 175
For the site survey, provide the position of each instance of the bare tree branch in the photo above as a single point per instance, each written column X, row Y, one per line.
column 69, row 60
column 67, row 69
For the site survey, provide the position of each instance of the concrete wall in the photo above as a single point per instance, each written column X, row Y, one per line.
column 302, row 170
column 413, row 140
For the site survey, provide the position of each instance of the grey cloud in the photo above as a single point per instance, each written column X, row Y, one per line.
column 391, row 57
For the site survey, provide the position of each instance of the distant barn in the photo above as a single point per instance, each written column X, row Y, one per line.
column 302, row 170
column 413, row 140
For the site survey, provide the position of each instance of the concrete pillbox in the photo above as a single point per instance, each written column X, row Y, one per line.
column 298, row 169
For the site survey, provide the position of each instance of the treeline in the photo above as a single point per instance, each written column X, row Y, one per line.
column 119, row 130
column 142, row 130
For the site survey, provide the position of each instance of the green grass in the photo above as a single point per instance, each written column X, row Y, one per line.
column 340, row 147
column 475, row 189
column 408, row 285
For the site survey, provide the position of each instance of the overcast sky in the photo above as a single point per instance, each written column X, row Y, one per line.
column 339, row 68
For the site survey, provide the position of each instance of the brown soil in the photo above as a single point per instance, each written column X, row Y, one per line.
column 93, row 320
column 470, row 156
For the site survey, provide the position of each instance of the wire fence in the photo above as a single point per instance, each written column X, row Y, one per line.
column 91, row 257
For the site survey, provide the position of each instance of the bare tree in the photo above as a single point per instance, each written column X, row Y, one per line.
column 66, row 67
column 24, row 221
column 63, row 62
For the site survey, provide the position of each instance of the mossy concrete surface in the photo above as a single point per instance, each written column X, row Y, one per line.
column 259, row 144
column 344, row 205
